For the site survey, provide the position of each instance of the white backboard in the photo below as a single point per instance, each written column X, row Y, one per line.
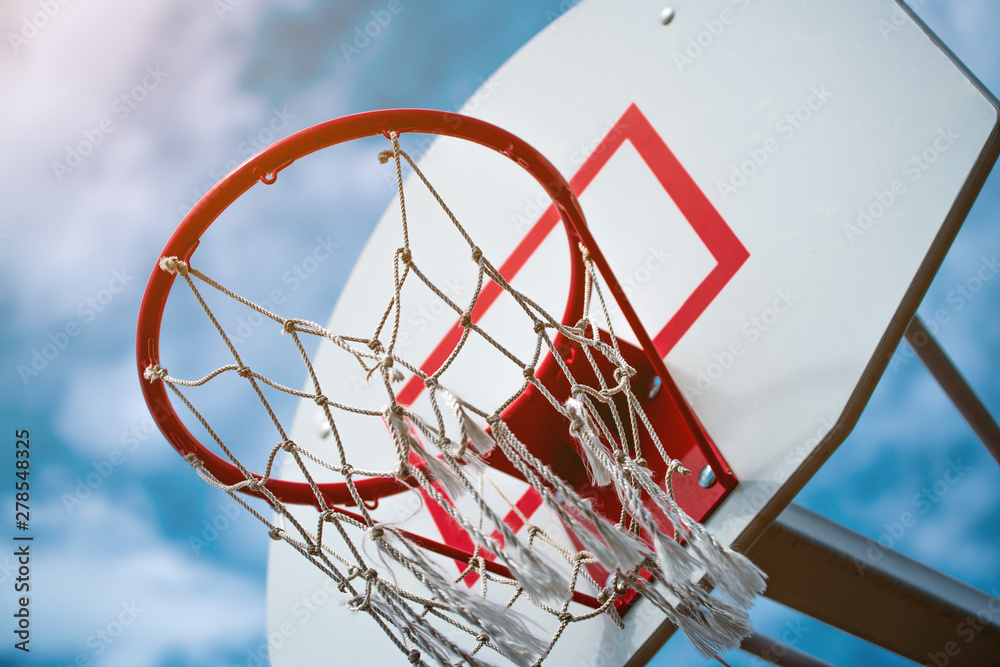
column 839, row 146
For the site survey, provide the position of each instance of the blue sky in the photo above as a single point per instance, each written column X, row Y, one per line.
column 173, row 94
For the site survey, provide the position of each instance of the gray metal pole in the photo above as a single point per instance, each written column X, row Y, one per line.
column 954, row 385
column 779, row 653
column 859, row 585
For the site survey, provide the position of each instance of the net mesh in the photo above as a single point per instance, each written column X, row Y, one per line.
column 532, row 583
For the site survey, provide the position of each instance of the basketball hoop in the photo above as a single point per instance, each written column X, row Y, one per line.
column 583, row 431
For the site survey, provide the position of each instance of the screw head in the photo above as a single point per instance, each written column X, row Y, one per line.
column 654, row 387
column 667, row 15
column 323, row 425
column 706, row 478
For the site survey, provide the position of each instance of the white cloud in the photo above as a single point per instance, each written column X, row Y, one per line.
column 121, row 194
column 178, row 604
column 95, row 423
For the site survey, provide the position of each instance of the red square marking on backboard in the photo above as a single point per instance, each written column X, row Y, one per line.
column 727, row 250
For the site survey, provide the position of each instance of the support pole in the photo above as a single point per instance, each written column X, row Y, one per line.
column 954, row 385
column 858, row 585
column 778, row 653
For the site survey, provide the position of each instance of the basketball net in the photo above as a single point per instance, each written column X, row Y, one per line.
column 445, row 451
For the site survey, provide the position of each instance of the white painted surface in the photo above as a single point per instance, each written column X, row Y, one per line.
column 807, row 311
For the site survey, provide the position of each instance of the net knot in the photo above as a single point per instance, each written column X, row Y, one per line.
column 483, row 638
column 385, row 156
column 370, row 574
column 174, row 265
column 529, row 372
column 288, row 445
column 154, row 372
column 321, row 400
column 194, row 461
column 406, row 256
column 623, row 373
column 359, row 603
column 395, row 375
column 255, row 485
column 676, row 466
column 347, row 470
column 539, row 327
column 244, row 371
column 402, row 471
column 430, row 382
column 376, row 532
column 397, row 410
column 288, row 326
column 326, row 515
column 565, row 617
column 313, row 550
column 465, row 320
column 413, row 656
column 477, row 254
column 274, row 533
column 620, row 457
